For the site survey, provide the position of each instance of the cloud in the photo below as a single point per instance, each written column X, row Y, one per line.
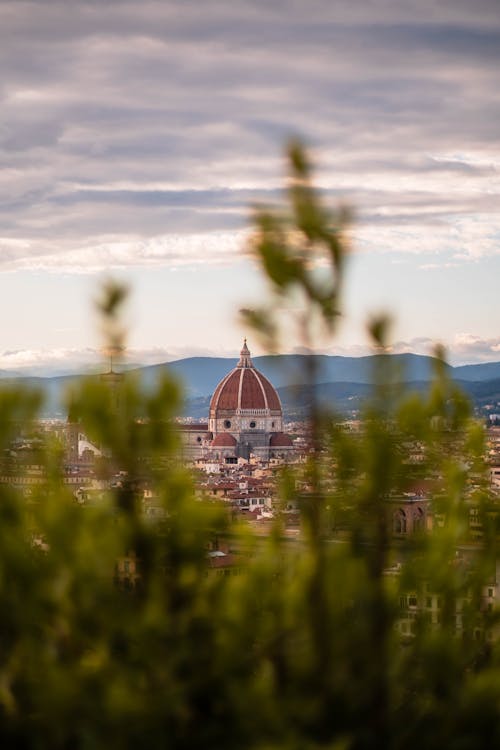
column 101, row 254
column 63, row 361
column 472, row 348
column 132, row 128
column 46, row 362
column 463, row 348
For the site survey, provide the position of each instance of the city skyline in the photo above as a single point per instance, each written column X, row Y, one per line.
column 135, row 139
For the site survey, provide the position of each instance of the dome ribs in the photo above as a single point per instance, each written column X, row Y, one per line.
column 244, row 394
column 226, row 395
column 253, row 395
column 244, row 388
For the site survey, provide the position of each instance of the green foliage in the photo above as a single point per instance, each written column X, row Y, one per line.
column 301, row 249
column 304, row 647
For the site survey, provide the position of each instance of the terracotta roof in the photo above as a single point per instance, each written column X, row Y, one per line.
column 279, row 439
column 244, row 388
column 224, row 440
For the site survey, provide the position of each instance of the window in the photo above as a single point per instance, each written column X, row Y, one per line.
column 428, row 602
column 252, row 424
column 227, row 423
column 399, row 522
column 418, row 520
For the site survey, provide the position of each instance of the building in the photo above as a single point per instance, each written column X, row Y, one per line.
column 79, row 449
column 245, row 419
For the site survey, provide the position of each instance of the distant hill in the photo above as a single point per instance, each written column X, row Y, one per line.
column 53, row 389
column 346, row 397
column 342, row 380
column 483, row 392
column 484, row 371
column 9, row 374
column 200, row 375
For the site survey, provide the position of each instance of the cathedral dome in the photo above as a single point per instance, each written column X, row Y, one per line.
column 245, row 390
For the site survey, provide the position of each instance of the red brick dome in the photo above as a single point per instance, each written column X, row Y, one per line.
column 245, row 388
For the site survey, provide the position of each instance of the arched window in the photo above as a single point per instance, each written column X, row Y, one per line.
column 399, row 522
column 418, row 520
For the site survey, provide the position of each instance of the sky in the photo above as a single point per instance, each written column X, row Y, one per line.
column 136, row 137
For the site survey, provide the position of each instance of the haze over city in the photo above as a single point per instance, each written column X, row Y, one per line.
column 135, row 138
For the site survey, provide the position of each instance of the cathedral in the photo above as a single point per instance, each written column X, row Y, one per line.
column 245, row 419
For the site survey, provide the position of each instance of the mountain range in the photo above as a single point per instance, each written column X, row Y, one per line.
column 345, row 381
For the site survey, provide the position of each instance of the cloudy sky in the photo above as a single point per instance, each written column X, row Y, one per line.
column 134, row 137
